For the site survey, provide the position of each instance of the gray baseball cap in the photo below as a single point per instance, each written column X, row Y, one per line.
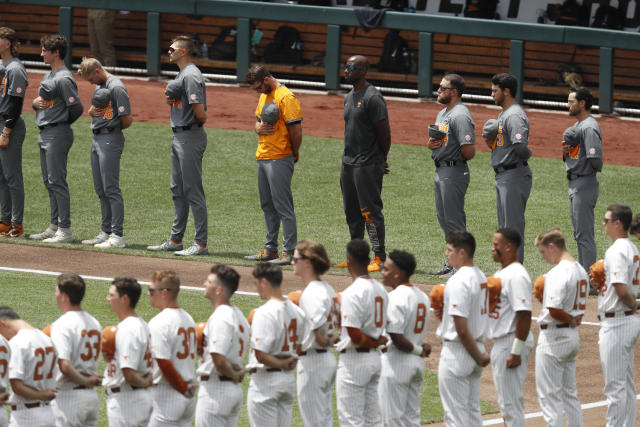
column 100, row 98
column 490, row 129
column 436, row 133
column 47, row 90
column 270, row 113
column 174, row 89
column 570, row 136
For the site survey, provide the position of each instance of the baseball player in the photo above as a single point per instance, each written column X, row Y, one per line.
column 367, row 140
column 5, row 357
column 619, row 325
column 13, row 85
column 402, row 371
column 635, row 227
column 77, row 337
column 54, row 118
column 509, row 324
column 450, row 154
column 107, row 122
column 32, row 371
column 317, row 365
column 226, row 344
column 364, row 316
column 563, row 304
column 128, row 376
column 279, row 143
column 509, row 155
column 173, row 346
column 582, row 154
column 188, row 114
column 462, row 330
column 276, row 331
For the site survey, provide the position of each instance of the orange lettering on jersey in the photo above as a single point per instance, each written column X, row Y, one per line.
column 50, row 103
column 499, row 139
column 177, row 103
column 574, row 152
column 3, row 87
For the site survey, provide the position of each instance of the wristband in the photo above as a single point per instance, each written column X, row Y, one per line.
column 4, row 134
column 516, row 348
column 417, row 350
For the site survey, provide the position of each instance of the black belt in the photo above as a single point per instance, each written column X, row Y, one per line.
column 450, row 163
column 317, row 350
column 254, row 370
column 30, row 405
column 119, row 389
column 51, row 125
column 611, row 314
column 187, row 127
column 509, row 167
column 102, row 130
column 572, row 176
column 557, row 325
column 358, row 350
column 205, row 378
column 81, row 387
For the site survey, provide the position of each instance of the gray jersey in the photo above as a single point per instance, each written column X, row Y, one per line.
column 192, row 91
column 13, row 83
column 362, row 110
column 119, row 105
column 589, row 147
column 513, row 129
column 66, row 95
column 459, row 126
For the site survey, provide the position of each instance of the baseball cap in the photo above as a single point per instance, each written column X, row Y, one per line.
column 570, row 136
column 490, row 129
column 270, row 113
column 47, row 90
column 174, row 89
column 436, row 133
column 100, row 98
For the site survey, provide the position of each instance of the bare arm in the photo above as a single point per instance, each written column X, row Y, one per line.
column 468, row 151
column 523, row 324
column 384, row 136
column 134, row 379
column 198, row 111
column 322, row 338
column 30, row 393
column 407, row 346
column 126, row 121
column 295, row 137
column 625, row 296
column 362, row 340
column 275, row 362
column 72, row 374
column 562, row 316
column 469, row 343
column 263, row 128
column 225, row 368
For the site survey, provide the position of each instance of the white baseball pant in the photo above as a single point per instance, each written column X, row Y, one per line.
column 76, row 408
column 34, row 417
column 170, row 407
column 129, row 408
column 219, row 403
column 270, row 398
column 316, row 375
column 357, row 388
column 400, row 388
column 4, row 417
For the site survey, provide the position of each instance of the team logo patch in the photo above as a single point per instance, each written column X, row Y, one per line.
column 467, row 138
column 72, row 99
column 518, row 136
column 19, row 90
column 121, row 109
column 592, row 151
column 193, row 97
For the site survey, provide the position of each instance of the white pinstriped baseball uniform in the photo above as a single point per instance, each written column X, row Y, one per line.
column 173, row 337
column 128, row 406
column 363, row 306
column 401, row 374
column 566, row 287
column 619, row 331
column 317, row 367
column 277, row 329
column 5, row 357
column 77, row 338
column 515, row 296
column 34, row 362
column 219, row 398
column 465, row 295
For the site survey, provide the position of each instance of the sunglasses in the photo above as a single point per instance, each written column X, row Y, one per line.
column 259, row 87
column 443, row 88
column 352, row 67
column 173, row 49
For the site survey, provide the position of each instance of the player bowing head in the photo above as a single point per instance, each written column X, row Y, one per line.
column 358, row 256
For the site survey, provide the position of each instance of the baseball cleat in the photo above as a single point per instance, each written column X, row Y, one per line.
column 5, row 226
column 16, row 230
column 283, row 259
column 448, row 274
column 168, row 245
column 375, row 265
column 446, row 268
column 193, row 250
column 63, row 235
column 100, row 238
column 264, row 255
column 114, row 241
column 49, row 232
column 343, row 264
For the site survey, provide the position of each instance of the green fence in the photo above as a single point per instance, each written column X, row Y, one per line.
column 335, row 17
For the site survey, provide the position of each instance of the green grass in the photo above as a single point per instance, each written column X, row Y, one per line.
column 236, row 223
column 45, row 311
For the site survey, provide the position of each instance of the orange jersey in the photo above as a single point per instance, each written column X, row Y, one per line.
column 277, row 145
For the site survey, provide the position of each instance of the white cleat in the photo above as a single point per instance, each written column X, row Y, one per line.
column 46, row 234
column 63, row 235
column 168, row 245
column 100, row 238
column 192, row 250
column 114, row 241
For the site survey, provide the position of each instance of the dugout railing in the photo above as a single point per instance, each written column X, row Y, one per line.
column 607, row 41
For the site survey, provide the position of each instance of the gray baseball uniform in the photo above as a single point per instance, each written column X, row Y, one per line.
column 584, row 186
column 451, row 179
column 188, row 145
column 12, row 85
column 513, row 175
column 55, row 140
column 106, row 150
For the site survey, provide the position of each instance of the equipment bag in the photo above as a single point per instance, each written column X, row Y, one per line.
column 285, row 48
column 396, row 56
column 224, row 46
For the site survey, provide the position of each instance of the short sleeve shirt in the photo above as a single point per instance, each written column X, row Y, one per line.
column 321, row 308
column 192, row 91
column 408, row 313
column 13, row 83
column 173, row 337
column 133, row 351
column 459, row 126
column 118, row 106
column 362, row 110
column 277, row 145
column 33, row 361
column 565, row 288
column 621, row 265
column 65, row 95
column 513, row 129
column 589, row 147
column 515, row 296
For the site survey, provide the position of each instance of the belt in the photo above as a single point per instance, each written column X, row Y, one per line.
column 205, row 378
column 254, row 370
column 81, row 387
column 557, row 325
column 317, row 350
column 51, row 125
column 450, row 163
column 119, row 389
column 358, row 350
column 572, row 176
column 611, row 314
column 30, row 405
column 102, row 130
column 499, row 169
column 187, row 127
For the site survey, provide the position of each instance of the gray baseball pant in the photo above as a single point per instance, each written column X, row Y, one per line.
column 187, row 150
column 583, row 195
column 55, row 143
column 450, row 185
column 513, row 187
column 361, row 196
column 276, row 200
column 106, row 150
column 11, row 182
